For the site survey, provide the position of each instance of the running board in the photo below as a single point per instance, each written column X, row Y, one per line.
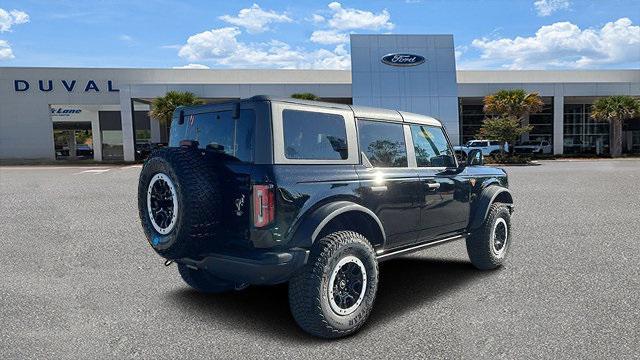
column 393, row 253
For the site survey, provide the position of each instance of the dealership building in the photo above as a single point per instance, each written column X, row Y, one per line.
column 99, row 113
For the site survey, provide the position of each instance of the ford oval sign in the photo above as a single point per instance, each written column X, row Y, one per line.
column 403, row 59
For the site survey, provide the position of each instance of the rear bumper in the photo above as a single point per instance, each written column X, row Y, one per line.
column 262, row 269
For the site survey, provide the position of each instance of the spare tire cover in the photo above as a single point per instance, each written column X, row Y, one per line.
column 179, row 201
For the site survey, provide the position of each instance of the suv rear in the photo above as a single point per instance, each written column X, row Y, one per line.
column 267, row 190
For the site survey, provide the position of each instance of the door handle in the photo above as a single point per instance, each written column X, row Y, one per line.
column 433, row 185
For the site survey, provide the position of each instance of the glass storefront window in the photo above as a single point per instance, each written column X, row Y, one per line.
column 472, row 115
column 635, row 141
column 111, row 135
column 112, row 145
column 582, row 134
column 542, row 123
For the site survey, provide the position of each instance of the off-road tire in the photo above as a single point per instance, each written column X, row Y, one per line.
column 309, row 289
column 480, row 244
column 202, row 281
column 199, row 201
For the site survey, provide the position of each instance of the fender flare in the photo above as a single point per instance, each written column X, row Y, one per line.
column 312, row 224
column 487, row 197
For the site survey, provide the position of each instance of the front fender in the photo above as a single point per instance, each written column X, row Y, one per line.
column 312, row 224
column 481, row 206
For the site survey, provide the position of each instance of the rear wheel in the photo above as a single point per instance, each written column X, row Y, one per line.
column 487, row 246
column 203, row 281
column 333, row 294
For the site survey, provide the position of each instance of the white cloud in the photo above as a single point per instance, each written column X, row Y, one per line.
column 315, row 18
column 344, row 19
column 329, row 37
column 192, row 66
column 459, row 51
column 565, row 45
column 256, row 20
column 222, row 47
column 210, row 44
column 548, row 7
column 10, row 18
column 349, row 19
column 5, row 51
column 125, row 38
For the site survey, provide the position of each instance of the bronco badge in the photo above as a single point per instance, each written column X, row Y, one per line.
column 239, row 204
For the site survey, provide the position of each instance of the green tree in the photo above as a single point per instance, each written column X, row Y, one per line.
column 304, row 96
column 503, row 129
column 162, row 108
column 515, row 103
column 615, row 110
column 505, row 111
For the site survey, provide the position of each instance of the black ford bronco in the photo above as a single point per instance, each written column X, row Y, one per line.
column 267, row 190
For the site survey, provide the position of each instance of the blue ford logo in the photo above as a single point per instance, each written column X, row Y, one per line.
column 403, row 59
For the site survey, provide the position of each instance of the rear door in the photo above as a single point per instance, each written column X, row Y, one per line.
column 388, row 186
column 444, row 201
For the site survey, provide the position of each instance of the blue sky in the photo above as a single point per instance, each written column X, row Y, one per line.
column 489, row 34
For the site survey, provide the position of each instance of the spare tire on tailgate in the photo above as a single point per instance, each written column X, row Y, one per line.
column 178, row 200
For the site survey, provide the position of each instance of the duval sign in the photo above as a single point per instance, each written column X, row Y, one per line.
column 403, row 59
column 68, row 85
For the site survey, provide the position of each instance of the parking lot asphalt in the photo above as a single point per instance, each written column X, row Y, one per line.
column 78, row 279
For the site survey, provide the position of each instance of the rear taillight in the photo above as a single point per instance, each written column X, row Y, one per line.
column 264, row 205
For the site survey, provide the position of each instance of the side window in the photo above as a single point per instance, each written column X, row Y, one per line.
column 383, row 143
column 314, row 135
column 234, row 137
column 431, row 147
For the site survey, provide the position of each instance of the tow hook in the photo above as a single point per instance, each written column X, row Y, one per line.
column 168, row 262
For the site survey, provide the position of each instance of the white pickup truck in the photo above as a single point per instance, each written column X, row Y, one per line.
column 488, row 147
column 534, row 147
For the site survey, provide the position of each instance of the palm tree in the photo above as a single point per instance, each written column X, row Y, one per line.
column 162, row 108
column 615, row 110
column 304, row 96
column 505, row 111
column 515, row 103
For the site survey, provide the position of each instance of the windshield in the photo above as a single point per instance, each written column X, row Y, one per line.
column 476, row 144
column 530, row 143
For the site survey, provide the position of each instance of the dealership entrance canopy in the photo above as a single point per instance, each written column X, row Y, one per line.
column 80, row 113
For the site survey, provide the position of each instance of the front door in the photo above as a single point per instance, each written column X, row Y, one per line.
column 444, row 201
column 388, row 186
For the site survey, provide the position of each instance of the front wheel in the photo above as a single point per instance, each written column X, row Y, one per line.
column 333, row 294
column 487, row 246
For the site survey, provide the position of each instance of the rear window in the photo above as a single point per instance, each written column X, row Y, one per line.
column 219, row 130
column 383, row 143
column 314, row 135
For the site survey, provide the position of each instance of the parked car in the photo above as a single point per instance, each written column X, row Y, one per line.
column 488, row 147
column 267, row 191
column 534, row 147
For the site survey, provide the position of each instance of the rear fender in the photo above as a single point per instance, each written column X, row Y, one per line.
column 312, row 225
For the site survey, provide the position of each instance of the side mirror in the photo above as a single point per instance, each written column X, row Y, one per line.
column 475, row 158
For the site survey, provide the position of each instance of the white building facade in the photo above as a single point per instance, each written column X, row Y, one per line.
column 79, row 113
